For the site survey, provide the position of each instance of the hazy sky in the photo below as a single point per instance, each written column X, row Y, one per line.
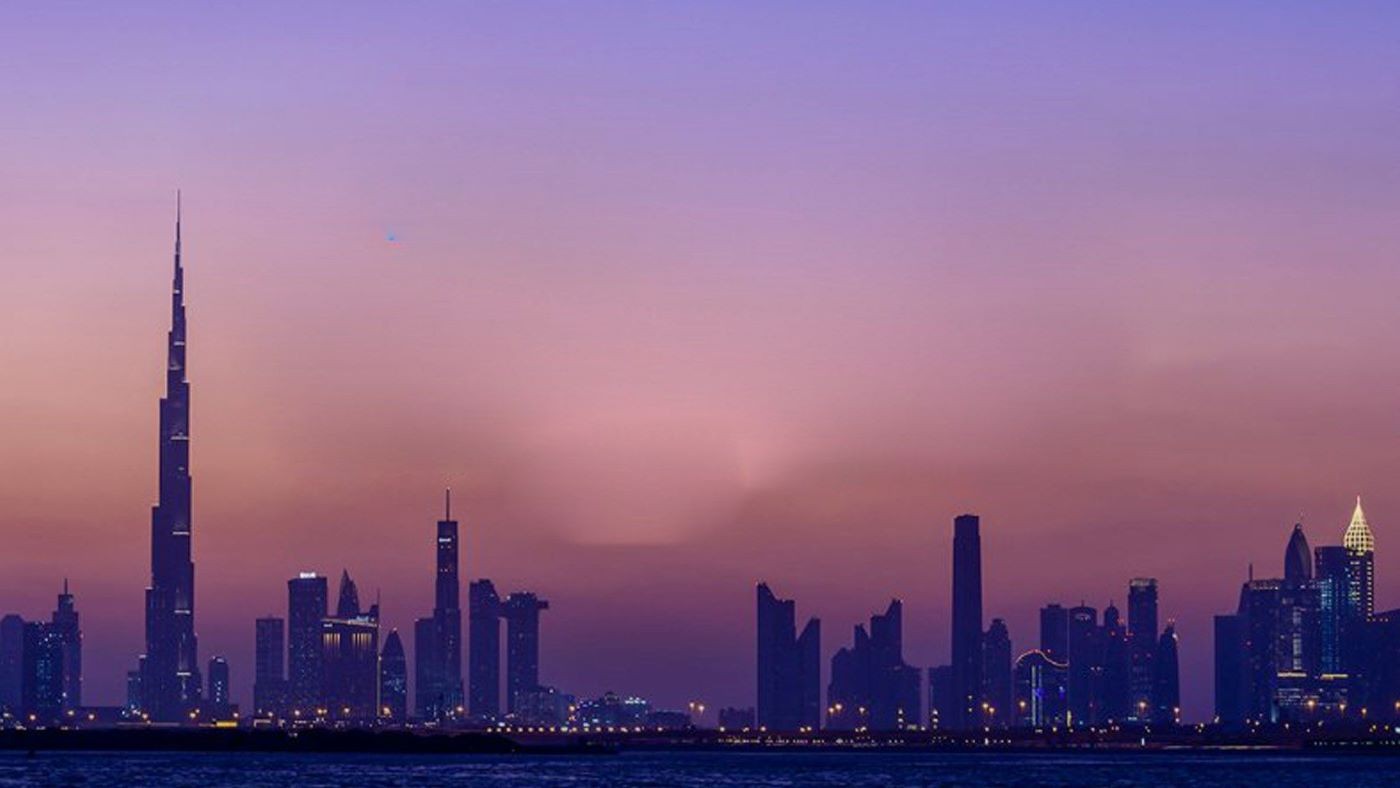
column 684, row 296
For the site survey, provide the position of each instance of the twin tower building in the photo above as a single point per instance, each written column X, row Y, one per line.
column 335, row 668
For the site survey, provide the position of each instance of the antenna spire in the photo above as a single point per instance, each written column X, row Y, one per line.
column 448, row 497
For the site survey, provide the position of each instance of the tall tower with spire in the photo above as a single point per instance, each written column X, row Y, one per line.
column 438, row 640
column 170, row 678
column 1360, row 545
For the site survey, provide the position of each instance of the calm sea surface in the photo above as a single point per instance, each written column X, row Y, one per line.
column 711, row 770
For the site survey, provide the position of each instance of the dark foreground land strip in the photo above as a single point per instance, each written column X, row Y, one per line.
column 312, row 740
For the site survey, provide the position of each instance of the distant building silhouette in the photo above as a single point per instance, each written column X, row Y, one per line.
column 737, row 719
column 1054, row 633
column 269, row 680
column 1085, row 666
column 1232, row 701
column 438, row 640
column 306, row 609
column 11, row 664
column 522, row 614
column 170, row 680
column 871, row 687
column 1297, row 558
column 789, row 666
column 393, row 680
column 1041, row 691
column 1142, row 644
column 70, row 635
column 1360, row 545
column 41, row 687
column 1166, row 680
column 967, row 623
column 484, row 651
column 997, row 689
column 219, row 705
column 350, row 658
column 940, row 696
column 1117, row 667
column 1334, row 612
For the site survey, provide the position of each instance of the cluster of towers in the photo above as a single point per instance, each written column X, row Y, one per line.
column 336, row 671
column 1087, row 671
column 1309, row 645
column 41, row 664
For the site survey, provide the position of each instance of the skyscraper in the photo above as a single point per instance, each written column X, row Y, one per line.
column 1041, row 690
column 1142, row 643
column 41, row 688
column 170, row 682
column 1332, row 577
column 70, row 636
column 438, row 641
column 1085, row 666
column 996, row 673
column 871, row 686
column 522, row 613
column 269, row 682
column 1297, row 558
column 218, row 694
column 1231, row 670
column 967, row 622
column 789, row 666
column 11, row 664
column 484, row 650
column 1166, row 679
column 1360, row 545
column 1117, row 666
column 306, row 608
column 393, row 681
column 1054, row 632
column 350, row 658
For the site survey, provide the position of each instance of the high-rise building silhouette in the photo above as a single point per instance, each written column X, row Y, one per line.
column 1331, row 565
column 1142, row 643
column 1232, row 699
column 1297, row 558
column 1166, row 679
column 1054, row 632
column 170, row 680
column 41, row 688
column 940, row 696
column 350, row 657
column 269, row 680
column 1117, row 666
column 70, row 636
column 1085, row 666
column 393, row 680
column 997, row 682
column 218, row 694
column 484, row 650
column 438, row 640
column 521, row 611
column 1041, row 690
column 1360, row 545
column 871, row 686
column 789, row 666
column 967, row 623
column 306, row 609
column 11, row 664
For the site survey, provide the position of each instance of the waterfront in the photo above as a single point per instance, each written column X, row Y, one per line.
column 710, row 769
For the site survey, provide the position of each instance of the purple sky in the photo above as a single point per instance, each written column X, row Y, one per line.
column 686, row 296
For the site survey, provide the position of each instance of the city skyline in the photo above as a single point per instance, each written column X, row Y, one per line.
column 681, row 301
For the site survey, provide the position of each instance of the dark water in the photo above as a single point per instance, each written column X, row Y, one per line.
column 707, row 769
